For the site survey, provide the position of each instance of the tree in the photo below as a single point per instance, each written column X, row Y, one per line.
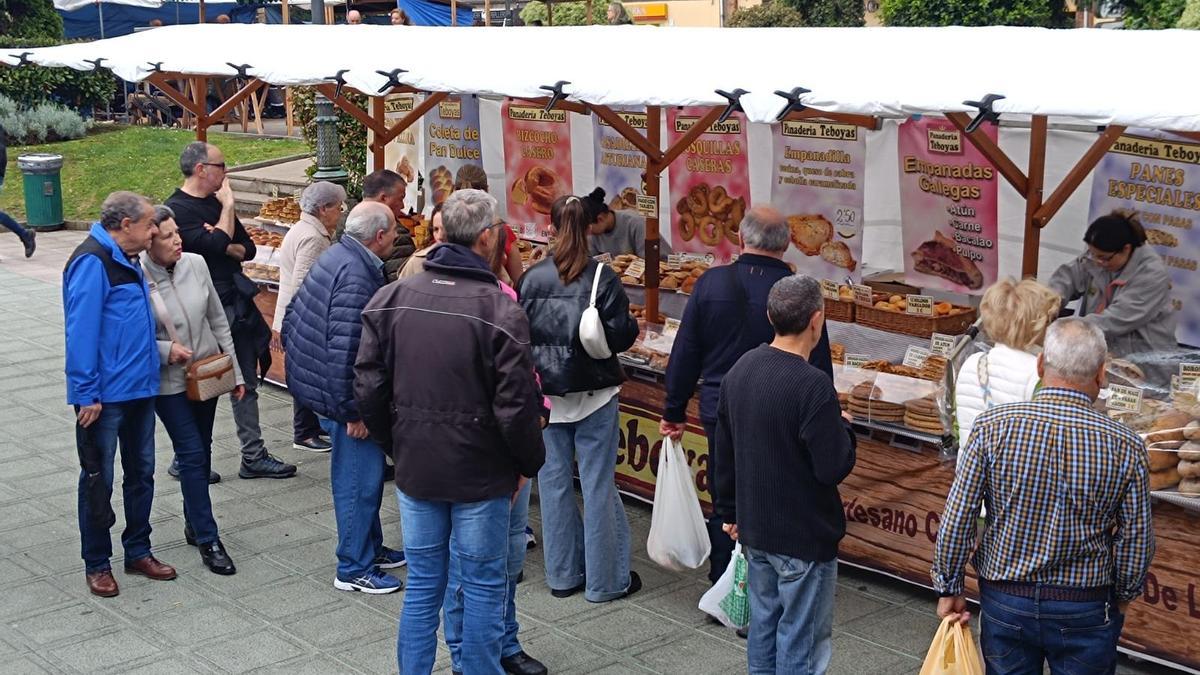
column 1043, row 13
column 1152, row 14
column 565, row 14
column 781, row 13
column 766, row 15
column 1191, row 16
column 32, row 19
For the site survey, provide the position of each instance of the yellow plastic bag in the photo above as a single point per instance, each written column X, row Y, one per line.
column 953, row 652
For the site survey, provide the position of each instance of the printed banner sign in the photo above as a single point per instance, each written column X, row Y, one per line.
column 403, row 154
column 537, row 165
column 619, row 164
column 1159, row 178
column 451, row 142
column 948, row 207
column 817, row 180
column 710, row 185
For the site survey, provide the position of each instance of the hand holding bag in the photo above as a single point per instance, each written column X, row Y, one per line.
column 591, row 327
column 953, row 651
column 207, row 378
column 678, row 536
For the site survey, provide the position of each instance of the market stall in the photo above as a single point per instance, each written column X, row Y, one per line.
column 712, row 127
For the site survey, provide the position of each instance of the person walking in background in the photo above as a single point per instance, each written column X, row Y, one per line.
column 27, row 237
column 589, row 554
column 725, row 317
column 1069, row 536
column 321, row 333
column 444, row 372
column 321, row 206
column 784, row 445
column 209, row 226
column 191, row 326
column 112, row 380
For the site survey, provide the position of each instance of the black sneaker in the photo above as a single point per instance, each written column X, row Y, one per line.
column 314, row 444
column 215, row 558
column 30, row 243
column 522, row 664
column 173, row 472
column 266, row 467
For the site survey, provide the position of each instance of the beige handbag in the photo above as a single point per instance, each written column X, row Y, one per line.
column 207, row 378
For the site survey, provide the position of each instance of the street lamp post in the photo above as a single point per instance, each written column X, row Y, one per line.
column 329, row 152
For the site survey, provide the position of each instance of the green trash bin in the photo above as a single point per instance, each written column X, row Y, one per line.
column 43, row 190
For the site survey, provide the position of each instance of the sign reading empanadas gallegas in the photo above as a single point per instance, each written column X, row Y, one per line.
column 537, row 165
column 619, row 164
column 948, row 207
column 403, row 154
column 817, row 177
column 451, row 142
column 710, row 185
column 1157, row 175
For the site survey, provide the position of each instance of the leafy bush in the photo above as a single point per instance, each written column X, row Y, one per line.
column 1043, row 13
column 780, row 13
column 30, row 19
column 352, row 135
column 766, row 15
column 77, row 89
column 1191, row 16
column 44, row 122
column 565, row 14
column 1152, row 14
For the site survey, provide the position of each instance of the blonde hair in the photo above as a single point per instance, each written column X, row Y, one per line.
column 1016, row 314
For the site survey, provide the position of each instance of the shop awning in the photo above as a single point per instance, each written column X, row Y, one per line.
column 1132, row 78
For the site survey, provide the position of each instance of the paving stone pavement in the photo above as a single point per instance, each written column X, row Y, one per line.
column 280, row 613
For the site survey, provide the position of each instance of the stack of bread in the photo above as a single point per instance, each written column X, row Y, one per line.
column 867, row 402
column 281, row 210
column 922, row 414
column 1189, row 460
column 262, row 237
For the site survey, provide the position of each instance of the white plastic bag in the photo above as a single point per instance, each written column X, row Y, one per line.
column 678, row 537
column 727, row 601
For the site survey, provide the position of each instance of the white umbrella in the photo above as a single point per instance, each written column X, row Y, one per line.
column 72, row 5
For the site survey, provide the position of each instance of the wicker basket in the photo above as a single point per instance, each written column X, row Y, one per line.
column 839, row 310
column 914, row 324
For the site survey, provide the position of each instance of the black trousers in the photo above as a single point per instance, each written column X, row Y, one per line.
column 304, row 423
column 722, row 545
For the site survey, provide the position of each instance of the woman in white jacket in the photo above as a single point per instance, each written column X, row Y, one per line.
column 186, row 297
column 1015, row 317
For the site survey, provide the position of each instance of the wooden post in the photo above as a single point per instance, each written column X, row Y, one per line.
column 549, row 12
column 201, row 17
column 1076, row 175
column 653, row 179
column 989, row 149
column 453, row 12
column 588, row 6
column 285, row 11
column 199, row 96
column 1033, row 196
column 487, row 12
column 378, row 144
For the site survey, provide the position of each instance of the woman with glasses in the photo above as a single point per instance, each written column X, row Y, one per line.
column 1122, row 285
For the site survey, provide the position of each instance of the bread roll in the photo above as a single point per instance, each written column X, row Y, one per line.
column 1190, row 451
column 1189, row 469
column 1161, row 480
column 1161, row 460
column 1192, row 430
column 1190, row 486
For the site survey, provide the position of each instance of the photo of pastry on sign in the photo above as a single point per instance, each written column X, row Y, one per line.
column 711, row 214
column 937, row 257
column 537, row 165
column 813, row 234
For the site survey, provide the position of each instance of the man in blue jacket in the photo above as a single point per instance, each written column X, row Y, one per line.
column 726, row 316
column 321, row 330
column 112, row 379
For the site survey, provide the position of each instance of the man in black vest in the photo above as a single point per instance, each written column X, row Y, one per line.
column 209, row 226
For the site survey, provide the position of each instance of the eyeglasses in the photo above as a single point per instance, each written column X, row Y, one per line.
column 1103, row 259
column 219, row 165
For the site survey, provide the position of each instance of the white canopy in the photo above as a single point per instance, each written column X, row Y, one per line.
column 1099, row 76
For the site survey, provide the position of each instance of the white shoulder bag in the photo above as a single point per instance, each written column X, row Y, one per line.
column 591, row 328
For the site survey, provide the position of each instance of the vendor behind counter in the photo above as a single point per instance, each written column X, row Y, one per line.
column 615, row 232
column 1123, row 287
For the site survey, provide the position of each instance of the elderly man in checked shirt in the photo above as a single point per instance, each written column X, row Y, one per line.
column 1069, row 537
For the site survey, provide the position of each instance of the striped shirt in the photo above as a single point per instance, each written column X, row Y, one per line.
column 1067, row 496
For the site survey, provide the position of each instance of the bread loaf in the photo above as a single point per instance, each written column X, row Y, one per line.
column 1161, row 460
column 1161, row 480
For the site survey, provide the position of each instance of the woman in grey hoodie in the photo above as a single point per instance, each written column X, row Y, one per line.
column 186, row 297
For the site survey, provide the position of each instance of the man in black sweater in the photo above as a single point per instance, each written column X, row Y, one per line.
column 209, row 226
column 784, row 445
column 725, row 318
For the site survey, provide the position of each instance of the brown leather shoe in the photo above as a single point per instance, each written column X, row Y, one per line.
column 102, row 584
column 150, row 567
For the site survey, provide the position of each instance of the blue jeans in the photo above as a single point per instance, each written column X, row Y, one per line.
column 791, row 613
column 594, row 548
column 8, row 222
column 356, row 473
column 1019, row 634
column 131, row 423
column 477, row 533
column 190, row 425
column 452, row 607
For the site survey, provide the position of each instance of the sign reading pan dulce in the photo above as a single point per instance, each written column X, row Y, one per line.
column 730, row 126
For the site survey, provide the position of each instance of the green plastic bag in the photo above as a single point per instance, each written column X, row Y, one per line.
column 736, row 603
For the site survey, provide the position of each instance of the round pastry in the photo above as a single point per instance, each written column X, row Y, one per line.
column 1192, row 430
column 710, row 231
column 697, row 200
column 1190, row 486
column 1190, row 451
column 737, row 211
column 442, row 183
column 687, row 226
column 1189, row 469
column 406, row 171
column 732, row 230
column 809, row 232
column 541, row 184
column 838, row 253
column 718, row 200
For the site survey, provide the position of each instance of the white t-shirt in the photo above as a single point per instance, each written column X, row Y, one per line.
column 578, row 405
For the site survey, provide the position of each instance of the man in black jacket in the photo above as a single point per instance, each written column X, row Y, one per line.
column 26, row 236
column 784, row 445
column 209, row 226
column 444, row 372
column 725, row 318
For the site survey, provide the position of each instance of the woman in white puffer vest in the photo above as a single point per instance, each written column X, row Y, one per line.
column 1015, row 317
